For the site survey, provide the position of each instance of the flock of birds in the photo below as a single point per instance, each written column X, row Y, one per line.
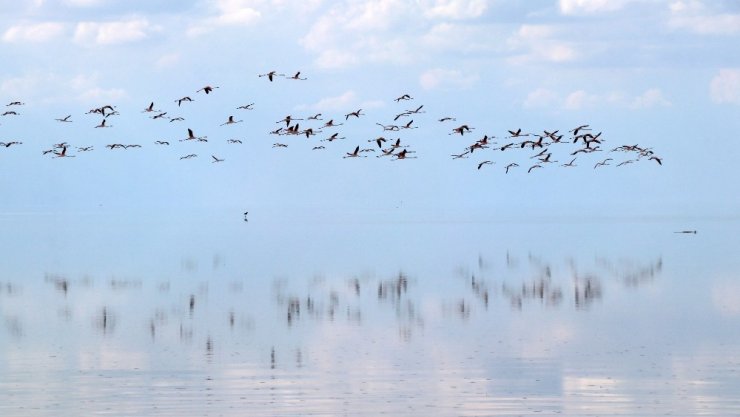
column 548, row 148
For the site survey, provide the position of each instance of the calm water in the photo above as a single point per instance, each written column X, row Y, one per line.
column 207, row 315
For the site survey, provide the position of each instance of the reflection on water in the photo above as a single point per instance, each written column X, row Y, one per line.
column 438, row 320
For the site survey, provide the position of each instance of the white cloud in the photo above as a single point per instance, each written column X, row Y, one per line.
column 28, row 85
column 87, row 88
column 340, row 102
column 227, row 13
column 334, row 58
column 458, row 37
column 373, row 14
column 581, row 99
column 352, row 33
column 694, row 16
column 454, row 9
column 114, row 32
column 52, row 87
column 34, row 32
column 83, row 3
column 167, row 61
column 356, row 32
column 725, row 86
column 652, row 97
column 98, row 94
column 540, row 97
column 445, row 78
column 539, row 45
column 578, row 7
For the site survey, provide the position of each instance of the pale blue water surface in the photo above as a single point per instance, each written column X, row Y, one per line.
column 205, row 314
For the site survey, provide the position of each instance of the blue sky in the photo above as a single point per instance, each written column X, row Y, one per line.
column 662, row 74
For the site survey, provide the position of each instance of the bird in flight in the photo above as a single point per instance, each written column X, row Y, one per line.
column 149, row 108
column 249, row 106
column 181, row 100
column 63, row 153
column 65, row 119
column 403, row 97
column 331, row 123
column 216, row 159
column 356, row 114
column 192, row 155
column 231, row 121
column 533, row 167
column 404, row 155
column 485, row 163
column 296, row 76
column 511, row 165
column 517, row 133
column 461, row 130
column 605, row 162
column 656, row 159
column 191, row 136
column 354, row 154
column 271, row 75
column 333, row 137
column 579, row 128
column 570, row 164
column 207, row 89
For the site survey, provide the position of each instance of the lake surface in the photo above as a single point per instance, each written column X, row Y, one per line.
column 205, row 314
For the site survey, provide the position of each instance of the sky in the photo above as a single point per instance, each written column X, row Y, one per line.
column 661, row 74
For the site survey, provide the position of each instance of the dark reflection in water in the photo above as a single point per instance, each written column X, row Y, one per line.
column 518, row 285
column 503, row 332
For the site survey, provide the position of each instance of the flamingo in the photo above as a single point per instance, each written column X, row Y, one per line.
column 231, row 121
column 485, row 163
column 207, row 89
column 511, row 165
column 179, row 101
column 354, row 154
column 356, row 114
column 296, row 76
column 271, row 75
